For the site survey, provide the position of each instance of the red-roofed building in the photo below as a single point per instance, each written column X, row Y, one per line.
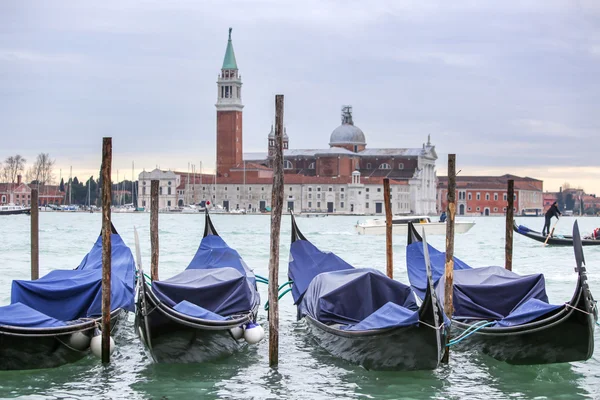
column 486, row 195
column 19, row 193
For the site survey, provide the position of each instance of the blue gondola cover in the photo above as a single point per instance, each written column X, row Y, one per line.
column 224, row 291
column 306, row 262
column 18, row 314
column 488, row 293
column 415, row 262
column 390, row 315
column 67, row 295
column 187, row 308
column 349, row 296
column 492, row 292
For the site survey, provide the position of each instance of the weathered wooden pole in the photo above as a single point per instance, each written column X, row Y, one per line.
column 387, row 199
column 35, row 235
column 106, row 246
column 154, row 230
column 276, row 210
column 449, row 272
column 510, row 196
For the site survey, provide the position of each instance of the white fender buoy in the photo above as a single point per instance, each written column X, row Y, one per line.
column 237, row 332
column 254, row 333
column 79, row 341
column 96, row 345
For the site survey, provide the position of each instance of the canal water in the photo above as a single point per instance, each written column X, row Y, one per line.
column 304, row 371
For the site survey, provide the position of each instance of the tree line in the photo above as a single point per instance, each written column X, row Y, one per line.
column 41, row 172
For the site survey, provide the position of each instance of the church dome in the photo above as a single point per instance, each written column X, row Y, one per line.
column 347, row 132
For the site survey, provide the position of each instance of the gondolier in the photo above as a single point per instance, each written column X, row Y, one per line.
column 552, row 212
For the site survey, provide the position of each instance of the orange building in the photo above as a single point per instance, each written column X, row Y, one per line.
column 487, row 195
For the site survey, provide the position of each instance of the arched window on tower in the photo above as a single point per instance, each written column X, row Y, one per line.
column 311, row 165
column 287, row 164
column 385, row 166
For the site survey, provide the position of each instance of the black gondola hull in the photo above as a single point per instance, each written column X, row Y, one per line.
column 23, row 349
column 555, row 240
column 170, row 338
column 566, row 336
column 407, row 348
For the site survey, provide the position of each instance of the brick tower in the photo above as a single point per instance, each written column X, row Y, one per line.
column 229, row 114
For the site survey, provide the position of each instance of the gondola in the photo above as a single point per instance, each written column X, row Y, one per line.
column 554, row 240
column 50, row 321
column 507, row 316
column 361, row 315
column 202, row 313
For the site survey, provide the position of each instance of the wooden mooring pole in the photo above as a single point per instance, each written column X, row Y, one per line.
column 106, row 246
column 389, row 255
column 276, row 210
column 35, row 235
column 510, row 196
column 449, row 271
column 154, row 230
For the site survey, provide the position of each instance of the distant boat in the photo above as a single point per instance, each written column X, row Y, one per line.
column 555, row 239
column 11, row 209
column 312, row 215
column 50, row 321
column 400, row 225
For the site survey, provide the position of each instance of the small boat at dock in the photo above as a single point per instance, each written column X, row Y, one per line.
column 51, row 321
column 400, row 225
column 507, row 316
column 203, row 313
column 362, row 316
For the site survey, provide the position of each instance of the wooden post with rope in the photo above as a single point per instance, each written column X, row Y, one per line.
column 508, row 248
column 154, row 230
column 276, row 211
column 106, row 246
column 35, row 235
column 449, row 266
column 389, row 253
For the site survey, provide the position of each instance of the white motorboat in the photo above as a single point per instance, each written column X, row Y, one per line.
column 400, row 225
column 11, row 209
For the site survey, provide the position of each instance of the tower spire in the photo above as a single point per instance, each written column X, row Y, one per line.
column 229, row 59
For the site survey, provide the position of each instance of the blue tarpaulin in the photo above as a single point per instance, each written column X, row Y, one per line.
column 415, row 262
column 187, row 308
column 306, row 262
column 349, row 296
column 67, row 295
column 215, row 253
column 488, row 293
column 492, row 292
column 390, row 315
column 216, row 280
column 224, row 291
column 20, row 315
column 527, row 312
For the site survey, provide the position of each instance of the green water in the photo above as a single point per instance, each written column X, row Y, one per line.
column 304, row 371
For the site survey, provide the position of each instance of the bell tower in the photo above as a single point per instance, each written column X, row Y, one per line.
column 229, row 114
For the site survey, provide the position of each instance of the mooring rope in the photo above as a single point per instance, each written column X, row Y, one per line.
column 463, row 336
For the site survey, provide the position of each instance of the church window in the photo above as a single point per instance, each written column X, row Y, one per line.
column 311, row 165
column 169, row 191
column 385, row 166
column 342, row 196
column 366, row 205
column 4, row 198
column 310, row 195
column 290, row 188
column 342, row 189
column 367, row 190
column 169, row 203
column 287, row 165
column 342, row 204
column 318, row 189
column 378, row 189
column 225, row 188
column 400, row 165
column 238, row 188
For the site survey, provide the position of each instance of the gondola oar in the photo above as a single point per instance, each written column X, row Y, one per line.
column 551, row 232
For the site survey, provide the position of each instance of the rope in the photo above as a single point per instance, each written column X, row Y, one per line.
column 575, row 308
column 431, row 326
column 262, row 278
column 278, row 298
column 463, row 336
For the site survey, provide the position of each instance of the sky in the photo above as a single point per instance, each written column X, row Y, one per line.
column 507, row 86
